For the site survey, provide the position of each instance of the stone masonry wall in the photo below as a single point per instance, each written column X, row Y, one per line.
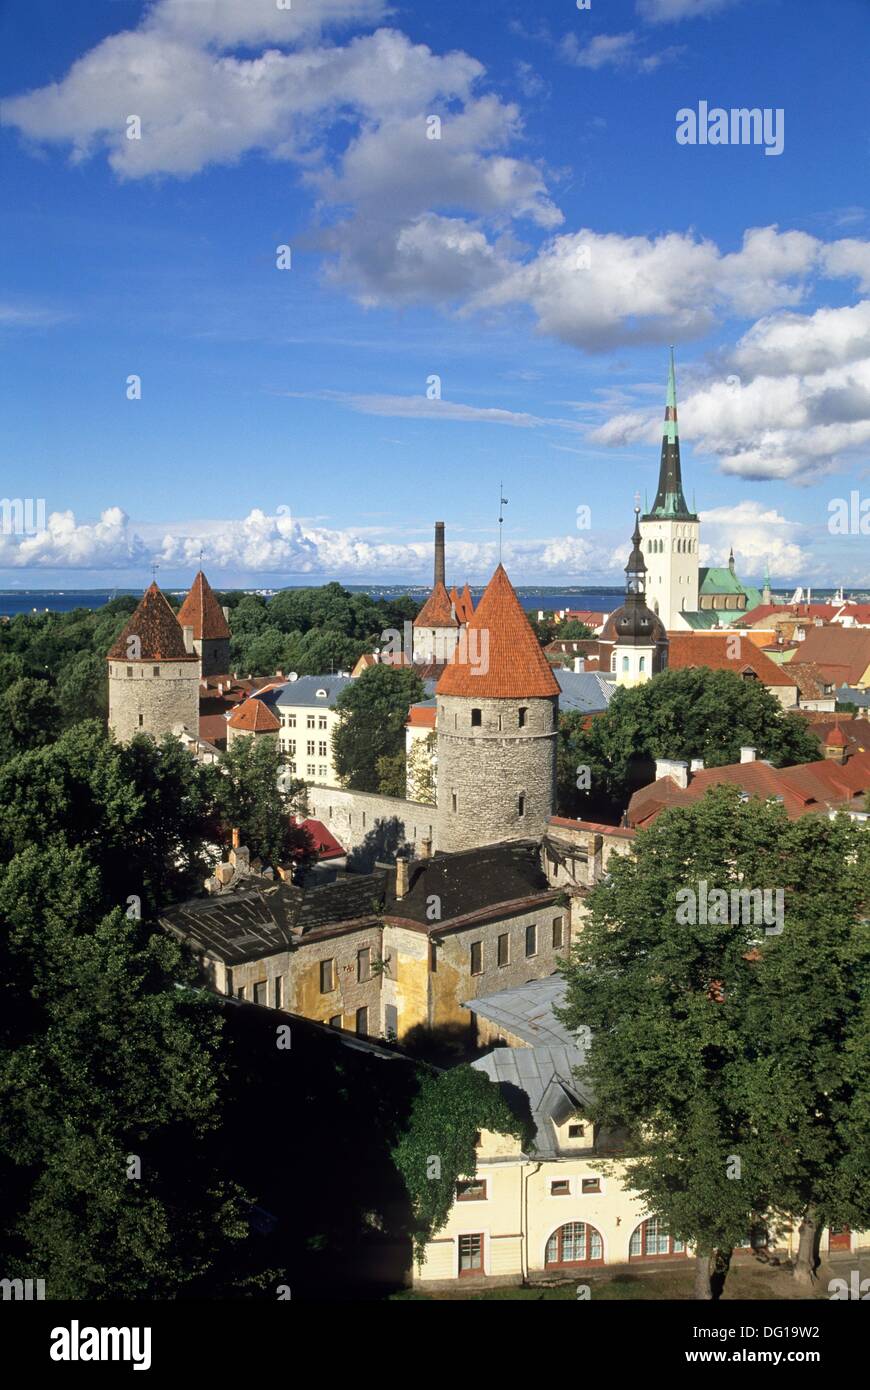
column 484, row 769
column 163, row 700
column 368, row 826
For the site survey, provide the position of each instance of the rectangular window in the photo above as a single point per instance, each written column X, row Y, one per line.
column 560, row 1187
column 474, row 1190
column 476, row 718
column 279, row 991
column 321, row 748
column 309, row 722
column 309, row 771
column 522, row 715
column 129, row 670
column 557, row 933
column 470, row 1255
column 477, row 958
column 291, row 721
column 260, row 992
column 391, row 1021
column 141, row 720
column 322, row 773
column 321, row 723
column 327, row 976
column 362, row 1022
column 521, row 805
column 433, row 957
column 453, row 802
column 364, row 965
column 576, row 1131
column 240, row 992
column 309, row 748
column 590, row 1185
column 504, row 949
column 335, row 1021
column 532, row 940
column 155, row 671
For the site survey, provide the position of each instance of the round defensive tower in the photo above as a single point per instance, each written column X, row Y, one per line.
column 153, row 679
column 497, row 705
column 210, row 632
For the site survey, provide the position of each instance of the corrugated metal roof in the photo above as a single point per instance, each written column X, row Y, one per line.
column 546, row 1075
column 527, row 1011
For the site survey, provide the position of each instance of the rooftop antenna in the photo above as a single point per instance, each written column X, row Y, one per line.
column 502, row 503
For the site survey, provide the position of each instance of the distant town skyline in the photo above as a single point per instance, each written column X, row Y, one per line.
column 285, row 286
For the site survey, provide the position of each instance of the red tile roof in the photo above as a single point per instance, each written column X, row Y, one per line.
column 808, row 611
column 436, row 611
column 324, row 841
column 622, row 832
column 202, row 612
column 712, row 649
column 253, row 717
column 467, row 604
column 846, row 648
column 809, row 679
column 158, row 630
column 213, row 728
column 805, row 788
column 421, row 717
column 506, row 661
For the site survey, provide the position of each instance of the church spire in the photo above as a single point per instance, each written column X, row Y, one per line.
column 670, row 500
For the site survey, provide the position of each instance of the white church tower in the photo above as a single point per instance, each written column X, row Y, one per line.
column 670, row 532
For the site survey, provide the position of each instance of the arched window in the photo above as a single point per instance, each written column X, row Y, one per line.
column 652, row 1241
column 625, row 663
column 642, row 664
column 575, row 1244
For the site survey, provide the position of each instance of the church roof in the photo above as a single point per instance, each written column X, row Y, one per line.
column 506, row 662
column 202, row 612
column 158, row 630
column 670, row 503
column 436, row 611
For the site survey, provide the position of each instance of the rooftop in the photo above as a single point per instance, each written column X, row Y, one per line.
column 159, row 633
column 506, row 661
column 527, row 1012
column 202, row 612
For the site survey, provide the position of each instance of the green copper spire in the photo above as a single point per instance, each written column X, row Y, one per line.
column 670, row 500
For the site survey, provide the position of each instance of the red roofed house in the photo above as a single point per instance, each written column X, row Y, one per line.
column 839, row 782
column 727, row 651
column 842, row 654
column 206, row 628
column 253, row 716
column 497, row 708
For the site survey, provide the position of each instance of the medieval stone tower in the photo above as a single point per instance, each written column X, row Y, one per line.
column 496, row 719
column 153, row 678
column 205, row 628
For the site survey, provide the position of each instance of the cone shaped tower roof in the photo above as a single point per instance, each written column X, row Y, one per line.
column 158, row 630
column 202, row 612
column 505, row 660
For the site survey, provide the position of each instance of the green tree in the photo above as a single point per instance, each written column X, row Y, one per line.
column 392, row 775
column 252, row 792
column 438, row 1146
column 716, row 1093
column 572, row 629
column 105, row 1062
column 373, row 711
column 421, row 769
column 684, row 714
column 82, row 688
column 28, row 716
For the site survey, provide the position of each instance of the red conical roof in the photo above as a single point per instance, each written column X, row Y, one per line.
column 158, row 630
column 202, row 612
column 436, row 611
column 506, row 663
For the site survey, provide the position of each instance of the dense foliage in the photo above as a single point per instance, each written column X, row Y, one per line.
column 252, row 793
column 438, row 1146
column 373, row 711
column 721, row 1041
column 685, row 714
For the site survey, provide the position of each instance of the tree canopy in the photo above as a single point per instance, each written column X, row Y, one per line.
column 691, row 713
column 373, row 711
column 729, row 1053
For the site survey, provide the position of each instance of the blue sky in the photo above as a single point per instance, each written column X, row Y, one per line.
column 538, row 258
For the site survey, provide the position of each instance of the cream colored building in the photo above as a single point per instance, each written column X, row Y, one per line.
column 305, row 709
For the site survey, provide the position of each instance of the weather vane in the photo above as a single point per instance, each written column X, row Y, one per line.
column 502, row 503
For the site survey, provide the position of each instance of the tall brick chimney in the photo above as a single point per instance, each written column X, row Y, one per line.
column 439, row 552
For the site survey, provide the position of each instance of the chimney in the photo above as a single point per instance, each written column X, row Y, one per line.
column 237, row 839
column 188, row 640
column 401, row 877
column 426, row 848
column 696, row 765
column 748, row 755
column 579, row 663
column 240, row 857
column 439, row 552
column 670, row 767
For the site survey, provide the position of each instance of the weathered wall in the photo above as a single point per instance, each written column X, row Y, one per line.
column 162, row 701
column 371, row 827
column 483, row 770
column 214, row 655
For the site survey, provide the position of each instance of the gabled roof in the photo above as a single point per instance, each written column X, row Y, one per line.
column 437, row 610
column 587, row 691
column 202, row 612
column 309, row 691
column 253, row 717
column 506, row 660
column 527, row 1011
column 713, row 649
column 838, row 647
column 546, row 1075
column 158, row 630
column 485, row 883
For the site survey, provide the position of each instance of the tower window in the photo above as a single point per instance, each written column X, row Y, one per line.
column 454, row 802
column 476, row 718
column 477, row 958
column 156, row 670
column 522, row 715
column 129, row 670
column 141, row 720
column 521, row 804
